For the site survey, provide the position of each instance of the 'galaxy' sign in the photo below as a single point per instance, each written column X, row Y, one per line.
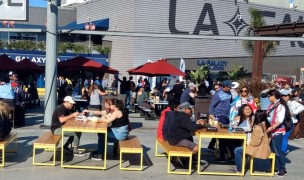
column 214, row 65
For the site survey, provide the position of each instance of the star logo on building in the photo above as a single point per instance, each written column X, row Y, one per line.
column 236, row 23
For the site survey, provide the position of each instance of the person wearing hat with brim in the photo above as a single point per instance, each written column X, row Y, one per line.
column 60, row 116
column 220, row 107
column 182, row 127
column 188, row 94
column 295, row 108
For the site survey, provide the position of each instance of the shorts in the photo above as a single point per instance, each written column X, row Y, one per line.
column 186, row 143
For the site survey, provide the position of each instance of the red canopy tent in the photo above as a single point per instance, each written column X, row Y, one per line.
column 26, row 65
column 82, row 63
column 7, row 63
column 158, row 68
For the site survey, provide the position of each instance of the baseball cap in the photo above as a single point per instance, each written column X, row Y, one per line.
column 227, row 83
column 69, row 99
column 10, row 73
column 185, row 105
column 191, row 85
column 285, row 92
column 235, row 85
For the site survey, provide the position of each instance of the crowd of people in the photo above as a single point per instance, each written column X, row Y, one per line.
column 267, row 125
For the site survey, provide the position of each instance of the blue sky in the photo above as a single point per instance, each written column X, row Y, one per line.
column 38, row 3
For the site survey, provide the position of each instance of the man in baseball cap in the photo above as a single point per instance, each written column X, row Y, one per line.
column 62, row 115
column 188, row 94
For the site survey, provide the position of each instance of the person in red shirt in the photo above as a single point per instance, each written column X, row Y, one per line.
column 172, row 106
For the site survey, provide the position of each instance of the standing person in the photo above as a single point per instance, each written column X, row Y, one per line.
column 115, row 82
column 258, row 143
column 220, row 107
column 60, row 116
column 295, row 109
column 188, row 94
column 97, row 82
column 118, row 131
column 277, row 112
column 104, row 82
column 95, row 96
column 264, row 101
column 5, row 126
column 202, row 89
column 124, row 86
column 129, row 91
column 177, row 90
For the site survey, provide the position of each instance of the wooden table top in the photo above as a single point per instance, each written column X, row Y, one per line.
column 220, row 132
column 75, row 124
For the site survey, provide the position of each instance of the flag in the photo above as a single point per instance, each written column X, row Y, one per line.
column 182, row 67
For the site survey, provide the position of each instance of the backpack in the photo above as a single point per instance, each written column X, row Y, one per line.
column 287, row 122
column 6, row 91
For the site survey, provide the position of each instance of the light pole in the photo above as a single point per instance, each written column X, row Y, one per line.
column 89, row 26
column 8, row 24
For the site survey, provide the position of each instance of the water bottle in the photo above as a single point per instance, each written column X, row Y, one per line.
column 230, row 126
column 91, row 114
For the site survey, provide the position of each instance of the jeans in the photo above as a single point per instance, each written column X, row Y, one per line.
column 276, row 145
column 285, row 139
column 114, row 135
column 238, row 153
column 128, row 99
column 74, row 137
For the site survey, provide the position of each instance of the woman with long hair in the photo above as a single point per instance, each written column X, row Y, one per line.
column 278, row 111
column 244, row 97
column 119, row 130
column 258, row 143
column 95, row 96
column 5, row 127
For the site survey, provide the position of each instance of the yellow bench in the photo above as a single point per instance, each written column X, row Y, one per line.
column 272, row 157
column 131, row 146
column 47, row 141
column 3, row 144
column 174, row 151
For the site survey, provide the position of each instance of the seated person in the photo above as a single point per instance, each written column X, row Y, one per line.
column 119, row 130
column 258, row 143
column 62, row 115
column 5, row 126
column 243, row 120
column 106, row 113
column 181, row 128
column 142, row 97
column 32, row 93
column 165, row 118
column 155, row 92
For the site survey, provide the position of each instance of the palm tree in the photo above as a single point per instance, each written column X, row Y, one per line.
column 257, row 21
column 238, row 72
column 200, row 74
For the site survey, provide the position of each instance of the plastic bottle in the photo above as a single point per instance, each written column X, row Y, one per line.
column 230, row 126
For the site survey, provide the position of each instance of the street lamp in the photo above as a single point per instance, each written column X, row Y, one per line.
column 89, row 26
column 8, row 24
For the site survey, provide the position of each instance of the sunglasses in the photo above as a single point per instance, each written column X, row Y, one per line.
column 285, row 95
column 244, row 90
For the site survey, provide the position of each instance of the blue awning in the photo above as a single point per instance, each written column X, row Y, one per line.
column 99, row 25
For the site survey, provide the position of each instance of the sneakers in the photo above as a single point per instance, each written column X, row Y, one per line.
column 97, row 157
column 219, row 160
column 76, row 152
column 282, row 173
column 67, row 150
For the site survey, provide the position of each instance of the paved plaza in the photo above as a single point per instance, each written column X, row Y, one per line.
column 19, row 166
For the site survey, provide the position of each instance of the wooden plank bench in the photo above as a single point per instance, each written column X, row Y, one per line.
column 131, row 146
column 47, row 141
column 12, row 137
column 144, row 112
column 271, row 173
column 174, row 151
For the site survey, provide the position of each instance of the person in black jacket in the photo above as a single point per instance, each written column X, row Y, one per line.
column 5, row 127
column 181, row 128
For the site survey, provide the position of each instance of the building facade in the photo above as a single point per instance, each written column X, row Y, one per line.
column 202, row 17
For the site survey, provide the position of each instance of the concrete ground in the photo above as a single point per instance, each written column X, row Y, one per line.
column 19, row 166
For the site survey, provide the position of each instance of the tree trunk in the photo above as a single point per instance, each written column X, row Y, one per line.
column 257, row 63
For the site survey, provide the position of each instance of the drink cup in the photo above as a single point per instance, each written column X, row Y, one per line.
column 216, row 121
